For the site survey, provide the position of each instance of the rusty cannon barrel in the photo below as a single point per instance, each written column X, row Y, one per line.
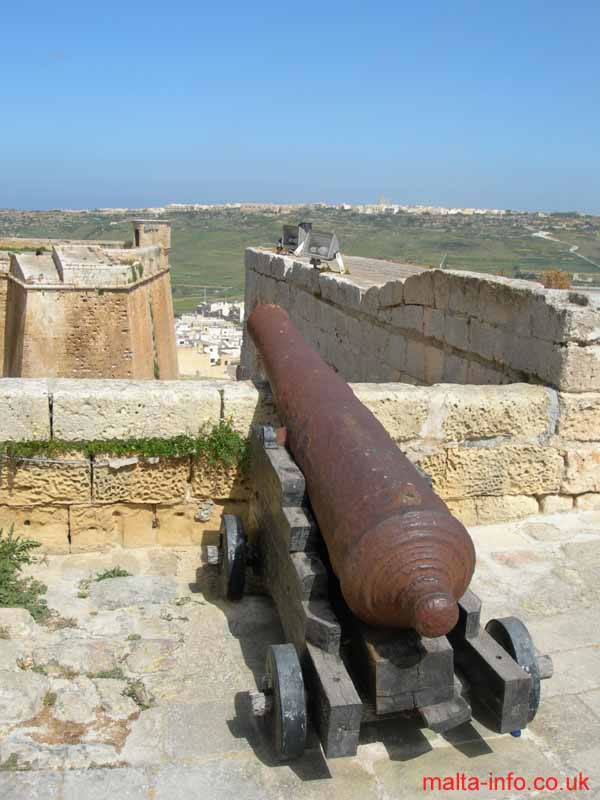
column 402, row 559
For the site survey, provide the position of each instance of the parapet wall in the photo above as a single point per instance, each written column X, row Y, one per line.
column 434, row 327
column 493, row 453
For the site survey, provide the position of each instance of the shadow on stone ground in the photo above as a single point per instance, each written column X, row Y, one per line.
column 402, row 739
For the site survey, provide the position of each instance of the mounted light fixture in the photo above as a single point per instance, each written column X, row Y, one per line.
column 322, row 246
column 318, row 246
column 295, row 235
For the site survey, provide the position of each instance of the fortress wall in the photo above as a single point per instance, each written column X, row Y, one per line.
column 141, row 333
column 16, row 309
column 493, row 452
column 3, row 293
column 98, row 336
column 19, row 243
column 439, row 326
column 79, row 333
column 90, row 333
column 164, row 329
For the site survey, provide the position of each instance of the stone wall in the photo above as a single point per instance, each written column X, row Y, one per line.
column 493, row 452
column 112, row 332
column 434, row 327
column 3, row 289
column 72, row 503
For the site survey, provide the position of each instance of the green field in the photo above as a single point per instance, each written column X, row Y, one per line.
column 208, row 246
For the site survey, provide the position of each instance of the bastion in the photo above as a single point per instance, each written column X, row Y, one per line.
column 89, row 310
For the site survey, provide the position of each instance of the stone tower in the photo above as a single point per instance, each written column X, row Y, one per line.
column 90, row 311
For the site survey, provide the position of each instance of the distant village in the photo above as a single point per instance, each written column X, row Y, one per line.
column 382, row 207
column 209, row 340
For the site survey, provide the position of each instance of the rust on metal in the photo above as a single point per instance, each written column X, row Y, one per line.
column 402, row 559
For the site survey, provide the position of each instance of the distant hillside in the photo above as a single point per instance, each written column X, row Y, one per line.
column 208, row 246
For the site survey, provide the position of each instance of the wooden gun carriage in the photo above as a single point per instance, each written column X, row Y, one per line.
column 341, row 671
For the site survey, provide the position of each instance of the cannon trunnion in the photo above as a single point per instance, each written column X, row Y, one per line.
column 342, row 672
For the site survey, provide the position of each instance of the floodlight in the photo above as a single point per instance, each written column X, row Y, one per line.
column 294, row 235
column 322, row 246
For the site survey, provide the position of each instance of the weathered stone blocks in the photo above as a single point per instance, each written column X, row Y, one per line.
column 176, row 524
column 85, row 410
column 137, row 524
column 588, row 502
column 505, row 329
column 579, row 417
column 245, row 405
column 480, row 412
column 24, row 412
column 482, row 510
column 64, row 479
column 555, row 503
column 94, row 528
column 134, row 480
column 578, row 368
column 401, row 409
column 582, row 470
column 419, row 290
column 180, row 525
column 46, row 524
column 434, row 323
column 218, row 480
column 502, row 470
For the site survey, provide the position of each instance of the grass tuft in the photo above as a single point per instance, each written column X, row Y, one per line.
column 11, row 764
column 115, row 572
column 136, row 691
column 116, row 673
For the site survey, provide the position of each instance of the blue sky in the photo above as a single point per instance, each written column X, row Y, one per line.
column 449, row 103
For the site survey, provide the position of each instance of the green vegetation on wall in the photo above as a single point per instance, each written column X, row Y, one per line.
column 219, row 444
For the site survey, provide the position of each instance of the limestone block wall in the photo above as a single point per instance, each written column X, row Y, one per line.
column 123, row 332
column 493, row 453
column 436, row 327
column 161, row 301
column 73, row 503
column 3, row 290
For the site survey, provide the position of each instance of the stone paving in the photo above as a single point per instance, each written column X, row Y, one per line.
column 138, row 688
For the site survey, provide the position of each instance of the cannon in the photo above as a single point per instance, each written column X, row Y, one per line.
column 368, row 570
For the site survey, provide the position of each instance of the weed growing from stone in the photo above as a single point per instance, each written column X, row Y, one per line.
column 49, row 699
column 134, row 637
column 11, row 764
column 57, row 623
column 16, row 591
column 4, row 632
column 67, row 673
column 84, row 588
column 136, row 691
column 116, row 673
column 39, row 668
column 115, row 572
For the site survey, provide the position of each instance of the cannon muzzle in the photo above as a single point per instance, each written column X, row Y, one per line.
column 402, row 559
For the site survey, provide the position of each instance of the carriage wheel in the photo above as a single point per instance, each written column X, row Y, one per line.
column 512, row 635
column 288, row 716
column 233, row 563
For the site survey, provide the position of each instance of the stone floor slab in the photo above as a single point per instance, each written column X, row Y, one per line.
column 42, row 785
column 108, row 784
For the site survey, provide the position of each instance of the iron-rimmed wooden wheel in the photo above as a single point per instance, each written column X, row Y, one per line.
column 288, row 716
